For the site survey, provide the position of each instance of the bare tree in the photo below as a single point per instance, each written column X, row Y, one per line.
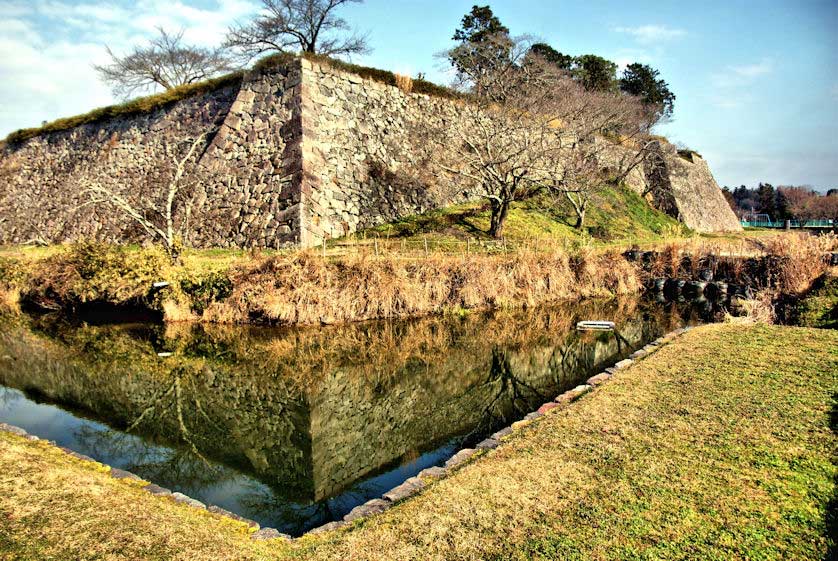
column 165, row 62
column 501, row 127
column 528, row 126
column 584, row 162
column 309, row 26
column 156, row 212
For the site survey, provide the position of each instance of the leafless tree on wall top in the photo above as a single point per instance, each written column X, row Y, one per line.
column 165, row 62
column 308, row 26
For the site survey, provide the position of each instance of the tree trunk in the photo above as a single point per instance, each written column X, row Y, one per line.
column 499, row 211
column 580, row 219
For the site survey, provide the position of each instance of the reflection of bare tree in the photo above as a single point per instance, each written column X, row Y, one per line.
column 169, row 466
column 509, row 396
column 170, row 399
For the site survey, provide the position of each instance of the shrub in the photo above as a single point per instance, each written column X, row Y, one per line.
column 96, row 272
column 214, row 287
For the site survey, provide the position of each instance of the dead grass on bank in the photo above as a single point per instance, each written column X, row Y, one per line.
column 10, row 300
column 801, row 259
column 785, row 263
column 306, row 289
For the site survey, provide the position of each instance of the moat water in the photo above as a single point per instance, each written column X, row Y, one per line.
column 295, row 427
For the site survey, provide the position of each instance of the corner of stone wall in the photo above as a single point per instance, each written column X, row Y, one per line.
column 261, row 155
column 700, row 202
column 310, row 231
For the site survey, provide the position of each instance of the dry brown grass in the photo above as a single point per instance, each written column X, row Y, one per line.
column 759, row 309
column 404, row 83
column 10, row 300
column 787, row 262
column 306, row 289
column 801, row 259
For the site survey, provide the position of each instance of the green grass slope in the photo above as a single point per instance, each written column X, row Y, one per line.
column 616, row 215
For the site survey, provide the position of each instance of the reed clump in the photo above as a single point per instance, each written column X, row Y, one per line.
column 787, row 263
column 305, row 289
column 800, row 259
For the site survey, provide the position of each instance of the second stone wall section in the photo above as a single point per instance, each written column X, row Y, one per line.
column 364, row 164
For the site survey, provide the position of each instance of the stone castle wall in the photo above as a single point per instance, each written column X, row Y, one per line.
column 294, row 155
column 364, row 165
column 244, row 183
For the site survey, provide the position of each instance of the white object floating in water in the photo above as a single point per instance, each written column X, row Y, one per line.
column 161, row 284
column 595, row 326
column 165, row 355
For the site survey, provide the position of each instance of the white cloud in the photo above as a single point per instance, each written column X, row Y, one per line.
column 765, row 66
column 48, row 48
column 733, row 77
column 624, row 57
column 648, row 34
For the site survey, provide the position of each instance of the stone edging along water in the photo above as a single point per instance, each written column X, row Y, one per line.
column 411, row 486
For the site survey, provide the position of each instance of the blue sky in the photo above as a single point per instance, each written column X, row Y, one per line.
column 757, row 81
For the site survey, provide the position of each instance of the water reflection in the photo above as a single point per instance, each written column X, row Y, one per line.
column 294, row 427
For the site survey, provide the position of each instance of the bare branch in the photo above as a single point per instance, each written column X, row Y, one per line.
column 309, row 26
column 158, row 223
column 165, row 62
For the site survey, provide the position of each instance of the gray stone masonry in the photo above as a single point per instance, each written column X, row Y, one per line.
column 294, row 155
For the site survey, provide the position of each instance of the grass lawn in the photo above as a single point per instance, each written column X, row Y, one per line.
column 719, row 446
column 619, row 216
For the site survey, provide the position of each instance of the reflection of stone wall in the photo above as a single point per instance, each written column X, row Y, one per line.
column 480, row 385
column 301, row 152
column 313, row 411
column 240, row 418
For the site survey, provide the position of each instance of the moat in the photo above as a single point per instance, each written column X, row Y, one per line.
column 294, row 427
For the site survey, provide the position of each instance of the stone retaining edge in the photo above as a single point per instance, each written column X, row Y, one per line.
column 411, row 486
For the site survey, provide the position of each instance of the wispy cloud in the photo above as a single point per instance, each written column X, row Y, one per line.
column 735, row 77
column 765, row 66
column 624, row 57
column 648, row 34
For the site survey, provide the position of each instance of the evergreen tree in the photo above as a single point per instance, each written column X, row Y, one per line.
column 767, row 200
column 482, row 38
column 595, row 73
column 644, row 82
column 551, row 55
